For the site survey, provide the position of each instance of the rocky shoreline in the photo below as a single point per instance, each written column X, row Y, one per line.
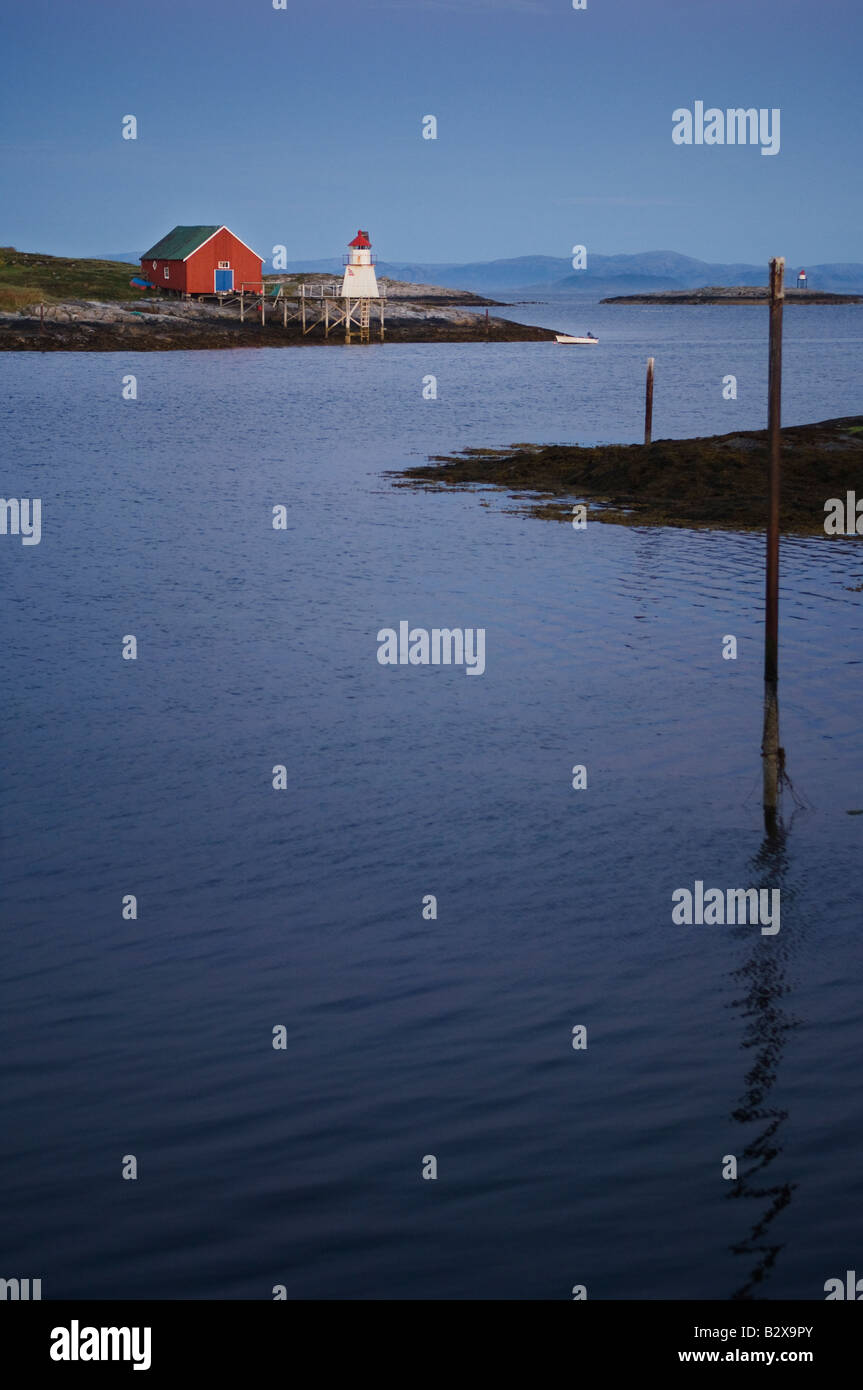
column 163, row 325
column 718, row 482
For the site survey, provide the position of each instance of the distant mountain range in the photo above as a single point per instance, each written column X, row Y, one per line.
column 648, row 270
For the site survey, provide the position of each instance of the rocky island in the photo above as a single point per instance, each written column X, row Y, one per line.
column 732, row 294
column 719, row 481
column 50, row 304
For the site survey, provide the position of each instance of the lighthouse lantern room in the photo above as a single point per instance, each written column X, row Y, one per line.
column 360, row 281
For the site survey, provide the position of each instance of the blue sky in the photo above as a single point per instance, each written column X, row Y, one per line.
column 554, row 126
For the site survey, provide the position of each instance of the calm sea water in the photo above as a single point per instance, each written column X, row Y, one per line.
column 303, row 908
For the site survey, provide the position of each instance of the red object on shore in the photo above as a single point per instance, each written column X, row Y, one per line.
column 202, row 260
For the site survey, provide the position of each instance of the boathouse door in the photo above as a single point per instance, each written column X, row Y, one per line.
column 224, row 280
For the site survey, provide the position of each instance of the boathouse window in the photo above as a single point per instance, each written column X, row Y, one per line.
column 167, row 272
column 224, row 265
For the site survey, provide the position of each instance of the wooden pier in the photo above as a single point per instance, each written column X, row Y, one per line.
column 324, row 310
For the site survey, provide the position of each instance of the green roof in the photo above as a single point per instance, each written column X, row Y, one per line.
column 179, row 243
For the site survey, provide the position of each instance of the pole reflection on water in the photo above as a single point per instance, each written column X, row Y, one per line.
column 763, row 974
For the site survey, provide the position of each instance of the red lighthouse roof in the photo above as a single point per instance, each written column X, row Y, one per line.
column 361, row 241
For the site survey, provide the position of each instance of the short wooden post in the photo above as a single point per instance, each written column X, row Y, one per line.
column 648, row 403
column 242, row 306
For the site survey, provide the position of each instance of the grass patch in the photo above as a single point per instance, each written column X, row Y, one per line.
column 55, row 278
column 14, row 297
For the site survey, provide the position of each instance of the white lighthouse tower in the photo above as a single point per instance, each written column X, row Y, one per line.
column 360, row 281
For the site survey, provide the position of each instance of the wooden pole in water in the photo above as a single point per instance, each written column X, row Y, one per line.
column 770, row 750
column 774, row 448
column 648, row 402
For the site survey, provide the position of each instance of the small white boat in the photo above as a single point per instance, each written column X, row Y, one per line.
column 569, row 338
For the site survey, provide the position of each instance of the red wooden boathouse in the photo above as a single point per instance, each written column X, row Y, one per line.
column 202, row 260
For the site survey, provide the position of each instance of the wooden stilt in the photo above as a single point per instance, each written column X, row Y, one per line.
column 328, row 312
